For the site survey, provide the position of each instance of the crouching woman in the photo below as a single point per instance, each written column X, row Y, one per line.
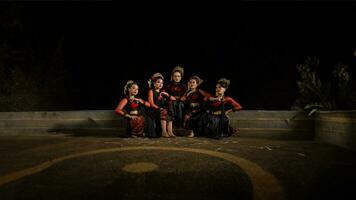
column 133, row 109
column 217, row 122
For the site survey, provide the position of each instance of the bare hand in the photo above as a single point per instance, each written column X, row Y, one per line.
column 165, row 94
column 139, row 100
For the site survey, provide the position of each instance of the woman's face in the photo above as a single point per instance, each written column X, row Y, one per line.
column 158, row 84
column 192, row 84
column 177, row 77
column 219, row 90
column 133, row 90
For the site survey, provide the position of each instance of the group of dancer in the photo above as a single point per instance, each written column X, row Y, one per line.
column 177, row 105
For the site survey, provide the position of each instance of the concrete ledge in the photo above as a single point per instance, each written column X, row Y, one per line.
column 55, row 122
column 336, row 127
column 249, row 123
column 274, row 124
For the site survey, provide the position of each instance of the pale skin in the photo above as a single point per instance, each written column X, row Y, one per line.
column 167, row 127
column 220, row 92
column 133, row 91
column 192, row 87
column 177, row 77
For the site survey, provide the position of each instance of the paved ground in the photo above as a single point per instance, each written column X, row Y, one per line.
column 105, row 167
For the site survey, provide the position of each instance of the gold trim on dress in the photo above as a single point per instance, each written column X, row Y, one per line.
column 216, row 112
column 134, row 112
column 194, row 104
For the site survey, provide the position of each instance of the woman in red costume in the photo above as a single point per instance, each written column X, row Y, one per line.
column 159, row 101
column 194, row 99
column 132, row 109
column 218, row 123
column 177, row 89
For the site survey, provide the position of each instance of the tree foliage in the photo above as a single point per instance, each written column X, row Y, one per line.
column 315, row 94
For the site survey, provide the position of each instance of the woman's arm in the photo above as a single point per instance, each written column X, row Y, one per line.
column 119, row 109
column 143, row 102
column 205, row 94
column 183, row 98
column 236, row 106
column 150, row 100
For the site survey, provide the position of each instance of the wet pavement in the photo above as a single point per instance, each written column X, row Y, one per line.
column 70, row 166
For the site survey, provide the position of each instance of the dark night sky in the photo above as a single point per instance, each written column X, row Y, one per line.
column 257, row 45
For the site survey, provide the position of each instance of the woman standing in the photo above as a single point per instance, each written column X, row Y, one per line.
column 132, row 109
column 218, row 123
column 194, row 99
column 159, row 102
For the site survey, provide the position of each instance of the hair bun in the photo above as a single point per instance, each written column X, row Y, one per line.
column 128, row 84
column 224, row 82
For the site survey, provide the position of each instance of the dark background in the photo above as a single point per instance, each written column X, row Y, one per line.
column 78, row 55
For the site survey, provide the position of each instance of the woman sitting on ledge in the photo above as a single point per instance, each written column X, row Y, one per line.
column 159, row 101
column 194, row 110
column 177, row 89
column 132, row 109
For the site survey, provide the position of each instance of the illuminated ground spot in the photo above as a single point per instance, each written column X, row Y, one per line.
column 140, row 167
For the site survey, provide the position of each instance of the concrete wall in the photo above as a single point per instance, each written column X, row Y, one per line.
column 265, row 124
column 75, row 122
column 274, row 124
column 336, row 127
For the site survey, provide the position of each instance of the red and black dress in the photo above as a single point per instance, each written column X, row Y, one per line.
column 217, row 123
column 135, row 126
column 194, row 111
column 176, row 107
column 159, row 105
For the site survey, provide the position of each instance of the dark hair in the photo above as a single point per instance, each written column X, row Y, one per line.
column 224, row 82
column 128, row 85
column 154, row 78
column 197, row 79
column 178, row 69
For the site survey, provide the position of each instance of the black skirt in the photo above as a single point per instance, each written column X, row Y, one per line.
column 176, row 108
column 195, row 121
column 217, row 126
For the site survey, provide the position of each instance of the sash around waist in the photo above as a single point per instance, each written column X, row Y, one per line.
column 134, row 112
column 192, row 105
column 218, row 112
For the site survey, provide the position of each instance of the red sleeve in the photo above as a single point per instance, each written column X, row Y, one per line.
column 150, row 99
column 119, row 109
column 232, row 102
column 145, row 103
column 205, row 94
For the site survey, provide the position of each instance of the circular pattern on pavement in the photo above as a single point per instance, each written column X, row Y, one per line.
column 202, row 172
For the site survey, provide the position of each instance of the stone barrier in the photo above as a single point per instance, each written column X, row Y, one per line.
column 248, row 123
column 336, row 127
column 55, row 122
column 333, row 127
column 294, row 125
